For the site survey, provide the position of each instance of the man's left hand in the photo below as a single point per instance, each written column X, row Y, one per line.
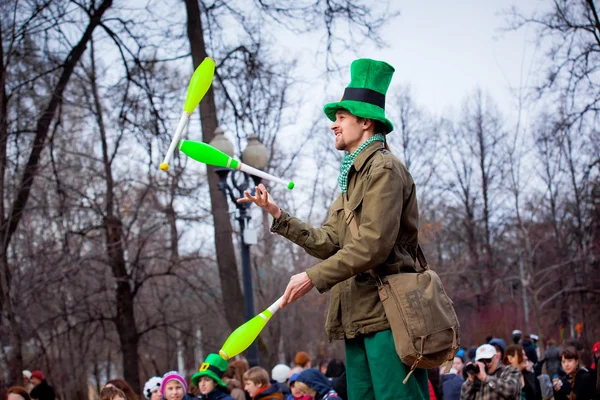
column 299, row 285
column 482, row 374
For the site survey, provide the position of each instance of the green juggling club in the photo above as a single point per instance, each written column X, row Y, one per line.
column 207, row 154
column 197, row 88
column 242, row 337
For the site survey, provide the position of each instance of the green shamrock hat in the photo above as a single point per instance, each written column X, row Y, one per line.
column 365, row 94
column 214, row 367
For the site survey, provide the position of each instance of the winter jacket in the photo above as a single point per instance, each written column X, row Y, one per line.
column 382, row 199
column 318, row 382
column 531, row 390
column 584, row 386
column 43, row 391
column 273, row 392
column 503, row 384
column 216, row 394
column 552, row 360
column 451, row 384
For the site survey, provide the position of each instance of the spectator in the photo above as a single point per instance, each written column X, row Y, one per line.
column 578, row 383
column 174, row 387
column 323, row 365
column 152, row 388
column 256, row 383
column 516, row 336
column 316, row 385
column 27, row 384
column 41, row 390
column 296, row 393
column 341, row 386
column 18, row 393
column 208, row 378
column 596, row 353
column 280, row 374
column 515, row 356
column 492, row 380
column 233, row 377
column 334, row 369
column 529, row 349
column 534, row 339
column 552, row 359
column 453, row 380
column 302, row 360
column 124, row 387
column 112, row 393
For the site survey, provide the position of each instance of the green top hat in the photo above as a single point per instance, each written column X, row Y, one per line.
column 214, row 367
column 365, row 95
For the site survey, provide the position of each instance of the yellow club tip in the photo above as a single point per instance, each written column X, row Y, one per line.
column 223, row 355
column 164, row 166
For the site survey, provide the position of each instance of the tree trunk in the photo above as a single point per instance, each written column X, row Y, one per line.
column 228, row 272
column 125, row 317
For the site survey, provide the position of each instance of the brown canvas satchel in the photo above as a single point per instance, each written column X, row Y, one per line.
column 421, row 315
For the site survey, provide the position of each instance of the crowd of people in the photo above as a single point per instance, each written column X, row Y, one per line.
column 519, row 371
column 217, row 379
column 488, row 372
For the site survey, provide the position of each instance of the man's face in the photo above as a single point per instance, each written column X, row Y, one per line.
column 35, row 381
column 251, row 387
column 349, row 132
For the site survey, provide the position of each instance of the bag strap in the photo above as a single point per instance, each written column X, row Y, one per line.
column 351, row 222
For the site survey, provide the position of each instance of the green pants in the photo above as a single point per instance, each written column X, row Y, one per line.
column 374, row 371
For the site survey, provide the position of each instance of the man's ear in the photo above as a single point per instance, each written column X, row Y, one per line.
column 367, row 122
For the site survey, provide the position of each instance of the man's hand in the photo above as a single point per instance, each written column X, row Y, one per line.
column 263, row 200
column 299, row 285
column 482, row 374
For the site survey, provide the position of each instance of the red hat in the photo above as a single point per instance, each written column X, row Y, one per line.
column 37, row 374
column 596, row 347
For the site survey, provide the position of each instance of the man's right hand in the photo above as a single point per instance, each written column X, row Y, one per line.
column 263, row 200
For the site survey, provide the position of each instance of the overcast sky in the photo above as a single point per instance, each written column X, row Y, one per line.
column 444, row 50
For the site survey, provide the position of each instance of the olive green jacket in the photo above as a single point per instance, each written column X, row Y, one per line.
column 382, row 197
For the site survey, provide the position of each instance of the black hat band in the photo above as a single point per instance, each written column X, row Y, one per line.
column 365, row 95
column 209, row 367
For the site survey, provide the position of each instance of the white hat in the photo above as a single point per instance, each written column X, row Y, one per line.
column 152, row 385
column 534, row 336
column 485, row 351
column 517, row 332
column 280, row 373
column 27, row 373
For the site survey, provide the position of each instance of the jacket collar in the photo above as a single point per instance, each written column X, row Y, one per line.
column 364, row 155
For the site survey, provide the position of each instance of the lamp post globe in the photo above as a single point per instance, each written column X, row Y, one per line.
column 220, row 142
column 255, row 154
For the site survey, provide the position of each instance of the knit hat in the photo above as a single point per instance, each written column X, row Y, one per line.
column 500, row 343
column 294, row 377
column 152, row 385
column 365, row 95
column 27, row 374
column 170, row 376
column 280, row 373
column 214, row 367
column 38, row 375
column 301, row 358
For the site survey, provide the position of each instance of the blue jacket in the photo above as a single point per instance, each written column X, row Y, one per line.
column 215, row 395
column 318, row 382
column 451, row 384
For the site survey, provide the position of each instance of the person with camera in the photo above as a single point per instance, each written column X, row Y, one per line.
column 489, row 379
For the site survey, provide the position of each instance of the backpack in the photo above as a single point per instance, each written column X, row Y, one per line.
column 421, row 315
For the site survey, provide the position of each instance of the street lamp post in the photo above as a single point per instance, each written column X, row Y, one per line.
column 256, row 156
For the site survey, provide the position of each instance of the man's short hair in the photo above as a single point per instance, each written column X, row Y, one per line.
column 258, row 375
column 569, row 354
column 379, row 127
